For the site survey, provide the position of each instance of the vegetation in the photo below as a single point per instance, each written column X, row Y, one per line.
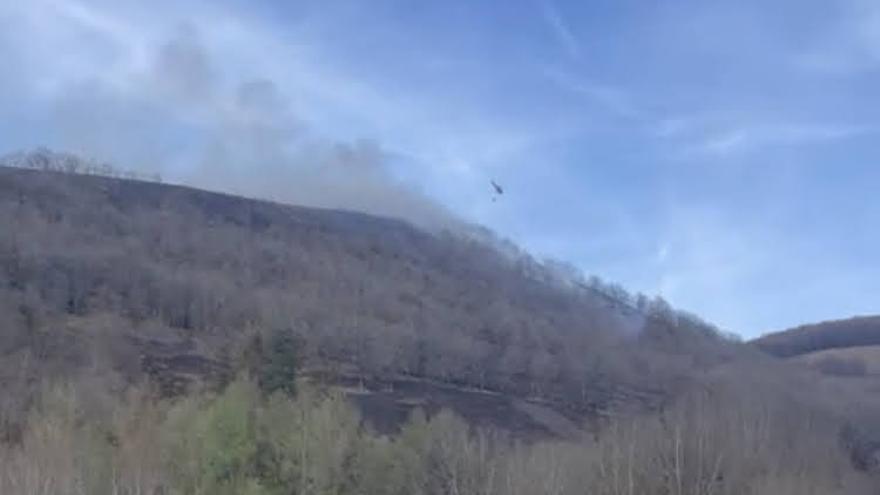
column 177, row 283
column 244, row 442
column 163, row 340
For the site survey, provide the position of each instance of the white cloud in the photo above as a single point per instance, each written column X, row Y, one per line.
column 849, row 45
column 725, row 143
column 613, row 99
column 560, row 29
column 663, row 252
column 748, row 138
column 707, row 261
column 671, row 127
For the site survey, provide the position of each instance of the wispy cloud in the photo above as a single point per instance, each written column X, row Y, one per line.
column 459, row 103
column 613, row 99
column 748, row 138
column 560, row 29
column 704, row 252
column 849, row 44
column 724, row 143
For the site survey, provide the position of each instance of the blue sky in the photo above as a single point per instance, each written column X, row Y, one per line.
column 720, row 154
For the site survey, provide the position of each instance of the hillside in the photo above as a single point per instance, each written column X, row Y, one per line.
column 845, row 349
column 838, row 334
column 845, row 362
column 174, row 340
column 135, row 279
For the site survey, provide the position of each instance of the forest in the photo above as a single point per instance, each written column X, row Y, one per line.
column 166, row 266
column 244, row 442
column 159, row 339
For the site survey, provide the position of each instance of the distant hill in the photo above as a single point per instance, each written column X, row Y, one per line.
column 847, row 348
column 861, row 361
column 117, row 277
column 853, row 332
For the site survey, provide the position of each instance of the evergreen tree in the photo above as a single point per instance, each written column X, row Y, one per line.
column 278, row 369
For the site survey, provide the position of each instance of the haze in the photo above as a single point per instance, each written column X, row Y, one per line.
column 722, row 156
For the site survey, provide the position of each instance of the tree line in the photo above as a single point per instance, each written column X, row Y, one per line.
column 243, row 441
column 47, row 160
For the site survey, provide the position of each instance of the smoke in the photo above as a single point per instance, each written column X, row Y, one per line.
column 180, row 114
column 183, row 68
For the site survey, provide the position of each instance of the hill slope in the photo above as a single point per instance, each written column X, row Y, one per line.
column 144, row 280
column 109, row 284
column 838, row 334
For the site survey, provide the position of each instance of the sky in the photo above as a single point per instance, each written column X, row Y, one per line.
column 722, row 155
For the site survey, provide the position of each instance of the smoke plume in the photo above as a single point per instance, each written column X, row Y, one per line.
column 183, row 116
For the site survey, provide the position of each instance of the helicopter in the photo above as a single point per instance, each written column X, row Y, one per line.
column 499, row 191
